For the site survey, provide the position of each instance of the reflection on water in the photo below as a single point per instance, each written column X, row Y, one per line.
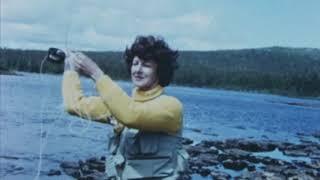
column 36, row 134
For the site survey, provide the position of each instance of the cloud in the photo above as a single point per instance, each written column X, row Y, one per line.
column 195, row 19
column 97, row 24
column 111, row 25
column 91, row 40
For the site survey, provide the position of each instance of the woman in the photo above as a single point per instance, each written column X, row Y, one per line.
column 148, row 125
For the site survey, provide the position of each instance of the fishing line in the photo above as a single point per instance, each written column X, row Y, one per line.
column 42, row 145
column 56, row 56
column 44, row 134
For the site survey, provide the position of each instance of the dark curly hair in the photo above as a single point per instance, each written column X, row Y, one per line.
column 154, row 48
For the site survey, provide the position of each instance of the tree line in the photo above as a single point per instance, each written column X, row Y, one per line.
column 280, row 70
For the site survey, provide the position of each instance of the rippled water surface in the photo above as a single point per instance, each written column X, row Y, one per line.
column 36, row 134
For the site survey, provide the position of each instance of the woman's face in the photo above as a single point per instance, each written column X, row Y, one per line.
column 143, row 73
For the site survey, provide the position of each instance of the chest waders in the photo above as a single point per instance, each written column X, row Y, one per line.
column 136, row 154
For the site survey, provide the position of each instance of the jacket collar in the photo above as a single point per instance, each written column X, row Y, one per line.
column 139, row 95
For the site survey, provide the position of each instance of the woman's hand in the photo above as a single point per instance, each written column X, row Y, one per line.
column 79, row 62
column 69, row 61
column 87, row 66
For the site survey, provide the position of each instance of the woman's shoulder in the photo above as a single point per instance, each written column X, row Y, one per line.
column 170, row 101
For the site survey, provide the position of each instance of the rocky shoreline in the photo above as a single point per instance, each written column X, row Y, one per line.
column 244, row 158
column 229, row 159
column 4, row 71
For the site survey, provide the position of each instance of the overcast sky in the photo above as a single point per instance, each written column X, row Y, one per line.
column 185, row 24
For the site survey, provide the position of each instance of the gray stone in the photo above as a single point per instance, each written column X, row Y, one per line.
column 235, row 164
column 204, row 171
column 103, row 158
column 184, row 176
column 272, row 161
column 97, row 166
column 251, row 145
column 237, row 153
column 187, row 141
column 198, row 149
column 94, row 176
column 72, row 172
column 196, row 162
column 218, row 175
column 86, row 170
column 274, row 168
column 251, row 167
column 257, row 175
column 312, row 172
column 208, row 159
column 53, row 172
column 301, row 177
column 290, row 172
column 67, row 164
column 315, row 164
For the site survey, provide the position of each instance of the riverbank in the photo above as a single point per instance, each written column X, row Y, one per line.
column 228, row 159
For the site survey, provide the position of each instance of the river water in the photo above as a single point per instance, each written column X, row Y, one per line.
column 36, row 134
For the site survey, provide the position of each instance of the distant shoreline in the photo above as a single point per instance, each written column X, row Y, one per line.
column 262, row 92
column 8, row 72
column 293, row 72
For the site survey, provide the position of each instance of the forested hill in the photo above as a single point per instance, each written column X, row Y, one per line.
column 289, row 71
column 268, row 60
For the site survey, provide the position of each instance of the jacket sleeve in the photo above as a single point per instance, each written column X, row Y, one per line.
column 163, row 114
column 92, row 108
